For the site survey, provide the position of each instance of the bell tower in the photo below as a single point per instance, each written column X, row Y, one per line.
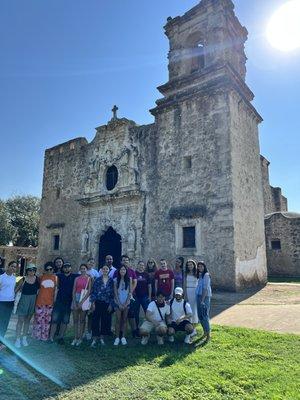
column 208, row 148
column 206, row 36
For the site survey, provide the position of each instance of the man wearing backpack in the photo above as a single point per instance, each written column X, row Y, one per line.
column 156, row 314
column 180, row 317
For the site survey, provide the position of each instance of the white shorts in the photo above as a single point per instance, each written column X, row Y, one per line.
column 149, row 327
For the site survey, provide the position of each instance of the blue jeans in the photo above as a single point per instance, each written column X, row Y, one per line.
column 204, row 316
column 140, row 301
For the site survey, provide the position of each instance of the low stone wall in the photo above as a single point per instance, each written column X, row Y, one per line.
column 14, row 253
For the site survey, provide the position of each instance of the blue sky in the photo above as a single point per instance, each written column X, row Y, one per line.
column 64, row 63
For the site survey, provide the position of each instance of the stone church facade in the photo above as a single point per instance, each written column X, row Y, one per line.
column 190, row 184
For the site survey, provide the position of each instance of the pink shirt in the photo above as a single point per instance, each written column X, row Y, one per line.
column 81, row 283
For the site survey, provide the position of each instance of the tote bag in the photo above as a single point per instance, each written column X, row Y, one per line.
column 18, row 297
column 86, row 305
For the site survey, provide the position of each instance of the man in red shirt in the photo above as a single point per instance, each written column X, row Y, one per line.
column 164, row 280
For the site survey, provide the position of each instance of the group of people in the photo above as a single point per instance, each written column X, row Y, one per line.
column 103, row 302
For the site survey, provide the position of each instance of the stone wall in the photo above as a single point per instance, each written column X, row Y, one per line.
column 248, row 204
column 14, row 253
column 283, row 234
column 65, row 171
column 201, row 195
column 273, row 198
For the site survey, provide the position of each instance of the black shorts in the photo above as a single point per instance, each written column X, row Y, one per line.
column 180, row 327
column 61, row 313
column 131, row 309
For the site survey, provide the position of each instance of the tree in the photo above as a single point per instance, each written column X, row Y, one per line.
column 24, row 212
column 6, row 229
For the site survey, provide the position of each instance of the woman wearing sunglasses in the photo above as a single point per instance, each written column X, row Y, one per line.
column 28, row 286
column 44, row 303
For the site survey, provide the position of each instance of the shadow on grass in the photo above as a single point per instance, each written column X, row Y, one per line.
column 43, row 369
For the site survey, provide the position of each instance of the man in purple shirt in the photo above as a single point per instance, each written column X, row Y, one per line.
column 143, row 291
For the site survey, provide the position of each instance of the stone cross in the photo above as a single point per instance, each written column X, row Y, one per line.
column 114, row 110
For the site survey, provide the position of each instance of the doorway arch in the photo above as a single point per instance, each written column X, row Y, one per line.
column 110, row 243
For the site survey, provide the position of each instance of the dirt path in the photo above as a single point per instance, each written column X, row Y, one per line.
column 274, row 308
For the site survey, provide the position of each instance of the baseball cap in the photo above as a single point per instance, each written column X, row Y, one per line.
column 66, row 264
column 30, row 266
column 179, row 290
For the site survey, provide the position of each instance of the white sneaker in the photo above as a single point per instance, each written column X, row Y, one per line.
column 187, row 339
column 117, row 341
column 18, row 343
column 78, row 342
column 194, row 333
column 123, row 341
column 74, row 342
column 24, row 341
column 171, row 339
column 94, row 343
column 102, row 342
column 144, row 340
column 160, row 340
column 88, row 336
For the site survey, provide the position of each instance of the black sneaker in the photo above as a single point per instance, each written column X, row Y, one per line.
column 137, row 334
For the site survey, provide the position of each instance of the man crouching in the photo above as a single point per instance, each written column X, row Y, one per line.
column 156, row 314
column 180, row 317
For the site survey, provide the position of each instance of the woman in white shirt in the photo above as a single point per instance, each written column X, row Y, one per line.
column 190, row 284
column 203, row 296
column 7, row 297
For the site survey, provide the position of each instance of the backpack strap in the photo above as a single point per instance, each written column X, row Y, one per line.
column 159, row 311
column 184, row 305
column 171, row 303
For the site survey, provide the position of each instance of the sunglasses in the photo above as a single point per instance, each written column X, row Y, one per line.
column 31, row 269
column 49, row 269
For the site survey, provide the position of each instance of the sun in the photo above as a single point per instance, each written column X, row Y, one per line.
column 283, row 29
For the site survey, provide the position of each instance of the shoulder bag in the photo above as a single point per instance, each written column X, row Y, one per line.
column 18, row 297
column 86, row 305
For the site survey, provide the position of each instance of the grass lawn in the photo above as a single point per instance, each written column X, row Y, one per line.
column 238, row 364
column 276, row 279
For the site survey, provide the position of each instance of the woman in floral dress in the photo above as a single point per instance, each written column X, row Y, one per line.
column 44, row 303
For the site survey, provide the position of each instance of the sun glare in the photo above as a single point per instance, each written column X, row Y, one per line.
column 283, row 30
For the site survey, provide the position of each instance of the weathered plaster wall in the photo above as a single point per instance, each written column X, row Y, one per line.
column 64, row 172
column 283, row 226
column 198, row 128
column 248, row 204
column 273, row 198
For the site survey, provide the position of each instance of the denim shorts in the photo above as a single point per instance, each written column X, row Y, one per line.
column 61, row 313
